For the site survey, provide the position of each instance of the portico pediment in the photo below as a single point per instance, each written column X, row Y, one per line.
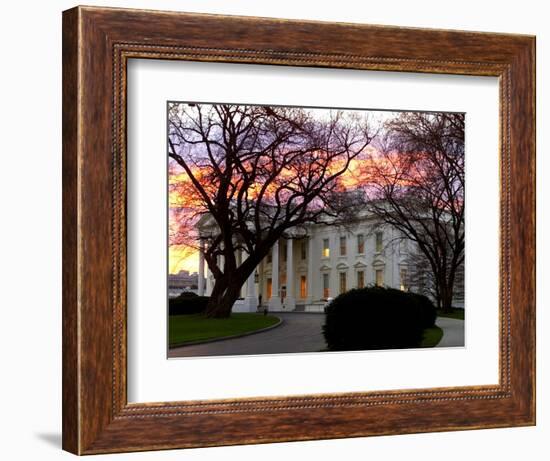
column 378, row 262
column 207, row 225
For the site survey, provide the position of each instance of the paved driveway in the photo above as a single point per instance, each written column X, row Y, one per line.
column 299, row 332
column 453, row 332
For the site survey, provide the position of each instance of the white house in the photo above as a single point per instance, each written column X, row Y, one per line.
column 301, row 273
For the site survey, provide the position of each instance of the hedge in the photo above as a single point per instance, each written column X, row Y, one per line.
column 427, row 308
column 377, row 318
column 187, row 303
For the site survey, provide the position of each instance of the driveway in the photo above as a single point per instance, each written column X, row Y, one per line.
column 453, row 332
column 299, row 332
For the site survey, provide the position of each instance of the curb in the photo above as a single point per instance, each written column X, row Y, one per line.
column 223, row 338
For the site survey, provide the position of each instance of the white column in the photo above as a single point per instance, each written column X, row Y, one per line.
column 251, row 300
column 275, row 300
column 290, row 300
column 309, row 281
column 334, row 282
column 201, row 269
column 239, row 259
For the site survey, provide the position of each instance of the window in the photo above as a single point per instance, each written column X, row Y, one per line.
column 303, row 286
column 303, row 250
column 284, row 245
column 269, row 288
column 360, row 279
column 360, row 244
column 379, row 242
column 326, row 287
column 379, row 274
column 343, row 249
column 404, row 285
column 326, row 248
column 343, row 282
column 270, row 256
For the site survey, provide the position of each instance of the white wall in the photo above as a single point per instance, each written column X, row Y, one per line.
column 30, row 191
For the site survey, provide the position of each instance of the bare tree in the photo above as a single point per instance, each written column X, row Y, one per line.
column 256, row 171
column 421, row 279
column 416, row 184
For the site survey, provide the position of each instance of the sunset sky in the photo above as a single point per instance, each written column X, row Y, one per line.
column 182, row 195
column 178, row 261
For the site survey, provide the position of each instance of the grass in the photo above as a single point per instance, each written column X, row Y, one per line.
column 455, row 313
column 183, row 329
column 432, row 336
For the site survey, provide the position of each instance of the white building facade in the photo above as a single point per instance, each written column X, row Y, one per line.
column 301, row 273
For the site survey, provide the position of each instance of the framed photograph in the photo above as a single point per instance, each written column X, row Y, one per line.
column 280, row 230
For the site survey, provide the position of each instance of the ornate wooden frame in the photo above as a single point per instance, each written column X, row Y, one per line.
column 97, row 43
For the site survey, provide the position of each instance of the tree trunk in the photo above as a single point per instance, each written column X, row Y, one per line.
column 446, row 299
column 221, row 307
column 224, row 294
column 227, row 287
column 218, row 289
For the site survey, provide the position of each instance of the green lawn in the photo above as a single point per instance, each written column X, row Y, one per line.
column 455, row 313
column 184, row 329
column 432, row 336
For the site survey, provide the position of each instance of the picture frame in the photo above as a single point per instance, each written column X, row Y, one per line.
column 97, row 44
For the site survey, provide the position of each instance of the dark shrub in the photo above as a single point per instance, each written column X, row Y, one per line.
column 187, row 295
column 187, row 303
column 373, row 318
column 427, row 309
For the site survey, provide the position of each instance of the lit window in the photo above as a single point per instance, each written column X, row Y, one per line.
column 343, row 249
column 360, row 244
column 303, row 286
column 360, row 279
column 343, row 282
column 404, row 282
column 326, row 287
column 269, row 288
column 379, row 274
column 379, row 242
column 326, row 248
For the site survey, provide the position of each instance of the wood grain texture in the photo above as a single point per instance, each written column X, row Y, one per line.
column 70, row 383
column 97, row 43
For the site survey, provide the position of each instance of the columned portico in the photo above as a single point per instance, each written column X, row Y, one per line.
column 251, row 299
column 290, row 300
column 309, row 279
column 275, row 300
column 200, row 284
column 323, row 268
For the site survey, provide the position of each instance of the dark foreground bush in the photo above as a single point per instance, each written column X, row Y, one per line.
column 187, row 303
column 427, row 309
column 374, row 318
